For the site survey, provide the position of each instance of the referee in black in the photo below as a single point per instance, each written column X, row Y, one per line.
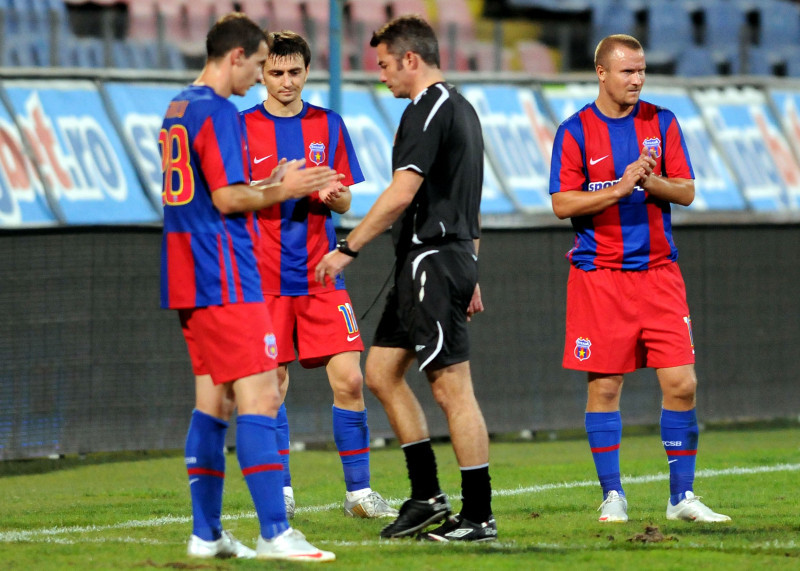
column 433, row 207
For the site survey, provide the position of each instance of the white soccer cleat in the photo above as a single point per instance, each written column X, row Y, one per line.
column 370, row 506
column 692, row 509
column 291, row 545
column 614, row 508
column 224, row 547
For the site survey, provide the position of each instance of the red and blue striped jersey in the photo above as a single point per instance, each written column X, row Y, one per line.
column 293, row 236
column 207, row 258
column 591, row 152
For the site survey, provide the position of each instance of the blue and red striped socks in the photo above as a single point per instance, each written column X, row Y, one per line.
column 679, row 434
column 257, row 450
column 351, row 434
column 282, row 435
column 604, row 430
column 205, row 465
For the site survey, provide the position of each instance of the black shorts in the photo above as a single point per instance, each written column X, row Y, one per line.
column 426, row 310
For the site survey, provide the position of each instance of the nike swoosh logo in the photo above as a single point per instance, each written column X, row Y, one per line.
column 353, row 337
column 193, row 480
column 671, row 461
column 595, row 161
column 262, row 159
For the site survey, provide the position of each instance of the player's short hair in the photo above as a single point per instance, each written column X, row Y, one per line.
column 288, row 43
column 234, row 30
column 409, row 33
column 607, row 45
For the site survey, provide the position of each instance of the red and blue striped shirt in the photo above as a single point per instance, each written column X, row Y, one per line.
column 207, row 258
column 590, row 152
column 293, row 236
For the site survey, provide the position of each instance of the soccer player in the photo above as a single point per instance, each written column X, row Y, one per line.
column 293, row 236
column 433, row 206
column 209, row 275
column 617, row 164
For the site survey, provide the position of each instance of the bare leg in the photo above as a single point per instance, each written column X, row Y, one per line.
column 452, row 389
column 385, row 374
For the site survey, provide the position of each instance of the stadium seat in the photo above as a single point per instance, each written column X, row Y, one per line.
column 724, row 32
column 88, row 52
column 400, row 7
column 535, row 57
column 793, row 62
column 668, row 32
column 34, row 15
column 455, row 20
column 454, row 61
column 483, row 56
column 696, row 61
column 610, row 17
column 363, row 17
column 456, row 31
column 128, row 54
column 258, row 10
column 18, row 54
column 760, row 61
column 199, row 16
column 316, row 22
column 142, row 20
column 286, row 15
column 779, row 24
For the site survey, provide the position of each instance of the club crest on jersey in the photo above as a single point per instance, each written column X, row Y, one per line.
column 652, row 146
column 582, row 349
column 316, row 153
column 271, row 346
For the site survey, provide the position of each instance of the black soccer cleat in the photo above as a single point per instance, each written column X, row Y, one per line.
column 416, row 515
column 456, row 528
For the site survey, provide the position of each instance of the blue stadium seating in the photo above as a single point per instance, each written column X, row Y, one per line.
column 779, row 24
column 669, row 31
column 724, row 31
column 759, row 61
column 611, row 17
column 696, row 61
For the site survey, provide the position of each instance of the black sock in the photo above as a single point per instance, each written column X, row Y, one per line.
column 421, row 464
column 476, row 490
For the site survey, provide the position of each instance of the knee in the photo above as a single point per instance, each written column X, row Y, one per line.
column 684, row 390
column 605, row 392
column 350, row 385
column 372, row 378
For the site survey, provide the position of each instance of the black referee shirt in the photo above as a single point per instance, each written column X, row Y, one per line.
column 440, row 138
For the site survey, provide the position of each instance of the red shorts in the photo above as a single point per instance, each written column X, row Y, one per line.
column 620, row 321
column 319, row 325
column 229, row 342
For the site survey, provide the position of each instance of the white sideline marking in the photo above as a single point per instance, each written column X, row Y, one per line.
column 735, row 471
column 51, row 534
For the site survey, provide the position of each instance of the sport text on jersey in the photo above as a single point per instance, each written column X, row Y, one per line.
column 595, row 186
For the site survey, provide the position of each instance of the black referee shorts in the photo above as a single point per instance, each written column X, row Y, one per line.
column 426, row 310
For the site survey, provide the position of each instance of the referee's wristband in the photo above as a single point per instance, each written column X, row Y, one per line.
column 344, row 248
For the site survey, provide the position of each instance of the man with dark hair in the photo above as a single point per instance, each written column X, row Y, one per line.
column 433, row 206
column 316, row 319
column 617, row 165
column 209, row 275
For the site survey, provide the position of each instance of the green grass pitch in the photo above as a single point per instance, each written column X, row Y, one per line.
column 131, row 511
